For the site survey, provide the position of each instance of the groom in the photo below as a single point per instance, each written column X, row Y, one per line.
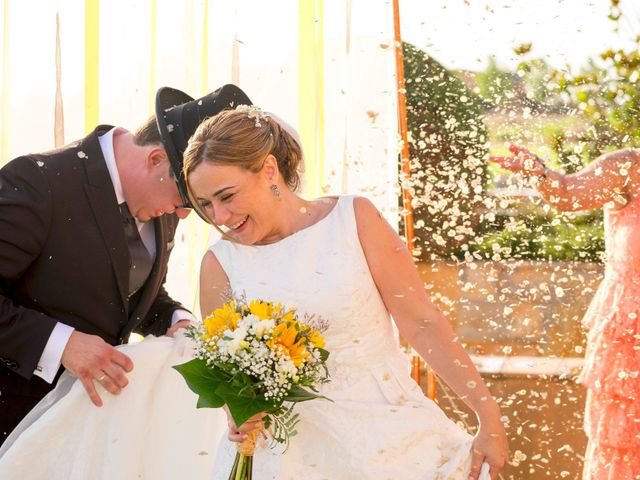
column 85, row 236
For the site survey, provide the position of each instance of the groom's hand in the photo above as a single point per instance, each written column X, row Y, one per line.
column 177, row 326
column 90, row 358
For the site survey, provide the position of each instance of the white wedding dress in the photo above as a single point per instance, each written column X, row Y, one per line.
column 151, row 431
column 379, row 425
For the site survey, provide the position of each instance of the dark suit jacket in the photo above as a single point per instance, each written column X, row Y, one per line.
column 64, row 256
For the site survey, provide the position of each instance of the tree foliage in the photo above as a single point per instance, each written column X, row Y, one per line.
column 447, row 146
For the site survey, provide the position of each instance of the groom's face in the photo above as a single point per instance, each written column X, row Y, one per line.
column 154, row 192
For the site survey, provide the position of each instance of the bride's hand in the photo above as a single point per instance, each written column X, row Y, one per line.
column 489, row 446
column 239, row 434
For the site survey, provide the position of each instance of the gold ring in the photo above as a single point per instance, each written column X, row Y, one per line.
column 101, row 377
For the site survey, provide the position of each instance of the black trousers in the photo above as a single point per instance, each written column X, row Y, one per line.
column 17, row 397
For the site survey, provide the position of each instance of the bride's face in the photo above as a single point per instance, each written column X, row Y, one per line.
column 235, row 198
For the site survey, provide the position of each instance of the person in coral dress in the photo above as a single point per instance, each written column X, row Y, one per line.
column 612, row 364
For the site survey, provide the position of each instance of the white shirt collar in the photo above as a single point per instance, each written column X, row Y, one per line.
column 106, row 144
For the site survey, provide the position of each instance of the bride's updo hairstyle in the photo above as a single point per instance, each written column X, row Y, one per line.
column 244, row 137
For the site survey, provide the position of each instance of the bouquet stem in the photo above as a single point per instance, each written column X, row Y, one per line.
column 242, row 468
column 243, row 464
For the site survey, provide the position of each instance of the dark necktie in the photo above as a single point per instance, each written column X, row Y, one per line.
column 141, row 263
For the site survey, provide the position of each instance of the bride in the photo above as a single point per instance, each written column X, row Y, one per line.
column 333, row 257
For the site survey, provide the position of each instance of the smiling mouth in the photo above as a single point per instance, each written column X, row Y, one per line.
column 239, row 224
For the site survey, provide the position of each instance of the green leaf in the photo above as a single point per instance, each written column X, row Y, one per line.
column 216, row 388
column 324, row 354
column 203, row 381
column 299, row 394
column 242, row 407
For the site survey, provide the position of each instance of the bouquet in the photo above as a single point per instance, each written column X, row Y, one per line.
column 256, row 357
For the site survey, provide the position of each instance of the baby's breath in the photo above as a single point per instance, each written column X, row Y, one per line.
column 266, row 342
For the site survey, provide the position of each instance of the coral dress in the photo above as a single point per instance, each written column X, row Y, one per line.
column 379, row 425
column 612, row 369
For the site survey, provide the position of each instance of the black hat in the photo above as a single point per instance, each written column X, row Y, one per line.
column 178, row 116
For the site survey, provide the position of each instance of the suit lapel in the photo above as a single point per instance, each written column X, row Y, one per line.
column 102, row 198
column 104, row 204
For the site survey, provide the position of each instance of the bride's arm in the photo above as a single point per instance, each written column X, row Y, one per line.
column 214, row 284
column 426, row 329
column 214, row 287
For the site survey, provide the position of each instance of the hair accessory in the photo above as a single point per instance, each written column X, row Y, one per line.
column 254, row 112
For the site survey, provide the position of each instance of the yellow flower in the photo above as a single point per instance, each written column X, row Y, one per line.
column 263, row 310
column 313, row 336
column 316, row 339
column 284, row 341
column 221, row 319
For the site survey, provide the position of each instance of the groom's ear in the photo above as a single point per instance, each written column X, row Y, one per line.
column 270, row 168
column 156, row 156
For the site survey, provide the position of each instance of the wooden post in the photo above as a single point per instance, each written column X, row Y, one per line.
column 407, row 210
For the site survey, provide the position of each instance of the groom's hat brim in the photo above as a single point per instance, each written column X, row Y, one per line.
column 178, row 116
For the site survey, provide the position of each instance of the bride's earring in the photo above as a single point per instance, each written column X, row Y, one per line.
column 275, row 190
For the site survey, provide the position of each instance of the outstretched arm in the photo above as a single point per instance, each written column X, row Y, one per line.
column 610, row 179
column 426, row 329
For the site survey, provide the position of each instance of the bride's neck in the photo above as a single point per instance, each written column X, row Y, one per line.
column 292, row 214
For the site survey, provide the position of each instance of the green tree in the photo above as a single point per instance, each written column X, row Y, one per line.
column 607, row 94
column 495, row 84
column 447, row 146
column 536, row 76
